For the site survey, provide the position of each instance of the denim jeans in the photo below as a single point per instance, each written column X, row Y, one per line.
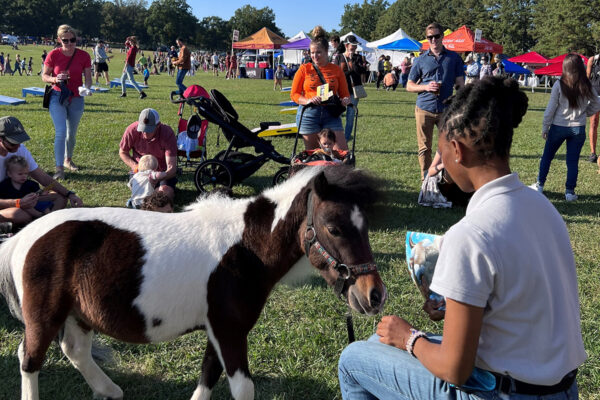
column 66, row 119
column 179, row 80
column 350, row 113
column 129, row 73
column 575, row 138
column 372, row 370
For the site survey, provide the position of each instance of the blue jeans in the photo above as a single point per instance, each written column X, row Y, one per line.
column 350, row 113
column 66, row 119
column 372, row 370
column 315, row 119
column 128, row 73
column 179, row 80
column 575, row 138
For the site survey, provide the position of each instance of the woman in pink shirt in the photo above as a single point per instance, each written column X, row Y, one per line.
column 63, row 68
column 131, row 45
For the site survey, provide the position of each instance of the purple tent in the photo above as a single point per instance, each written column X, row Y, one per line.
column 302, row 44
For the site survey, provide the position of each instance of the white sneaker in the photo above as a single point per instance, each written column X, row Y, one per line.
column 538, row 187
column 571, row 196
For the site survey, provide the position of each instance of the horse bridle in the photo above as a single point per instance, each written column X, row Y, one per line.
column 345, row 271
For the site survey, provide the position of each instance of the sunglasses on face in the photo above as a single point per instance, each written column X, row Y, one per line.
column 436, row 36
column 72, row 40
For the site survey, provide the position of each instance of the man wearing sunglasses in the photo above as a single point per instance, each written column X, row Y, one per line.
column 433, row 76
column 12, row 135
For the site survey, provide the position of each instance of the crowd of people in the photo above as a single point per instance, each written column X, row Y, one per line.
column 502, row 336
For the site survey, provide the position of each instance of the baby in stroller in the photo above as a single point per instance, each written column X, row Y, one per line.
column 142, row 183
column 325, row 154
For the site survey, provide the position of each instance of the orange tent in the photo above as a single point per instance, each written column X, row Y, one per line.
column 463, row 39
column 263, row 39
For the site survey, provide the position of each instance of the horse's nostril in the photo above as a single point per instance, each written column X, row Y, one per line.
column 375, row 298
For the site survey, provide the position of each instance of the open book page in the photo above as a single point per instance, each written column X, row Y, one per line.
column 422, row 250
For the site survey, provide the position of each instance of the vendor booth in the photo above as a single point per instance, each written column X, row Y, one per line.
column 263, row 39
column 555, row 66
column 463, row 40
column 396, row 54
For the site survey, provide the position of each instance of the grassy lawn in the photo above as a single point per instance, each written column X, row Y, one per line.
column 296, row 343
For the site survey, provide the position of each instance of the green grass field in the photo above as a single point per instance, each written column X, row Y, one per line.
column 296, row 343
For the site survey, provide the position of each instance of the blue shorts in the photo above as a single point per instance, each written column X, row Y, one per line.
column 315, row 119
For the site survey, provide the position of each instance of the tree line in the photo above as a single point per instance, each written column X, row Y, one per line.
column 160, row 23
column 550, row 27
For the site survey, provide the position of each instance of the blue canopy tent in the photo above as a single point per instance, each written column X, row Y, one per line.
column 512, row 68
column 405, row 44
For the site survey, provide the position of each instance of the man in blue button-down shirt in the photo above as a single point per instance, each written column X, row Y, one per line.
column 433, row 76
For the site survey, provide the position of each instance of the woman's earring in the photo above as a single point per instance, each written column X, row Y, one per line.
column 456, row 160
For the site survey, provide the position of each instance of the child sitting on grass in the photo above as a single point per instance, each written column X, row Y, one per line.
column 142, row 183
column 16, row 185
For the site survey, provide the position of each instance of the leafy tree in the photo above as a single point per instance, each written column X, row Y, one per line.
column 565, row 25
column 510, row 23
column 248, row 20
column 30, row 17
column 412, row 16
column 362, row 18
column 169, row 19
column 213, row 33
column 84, row 15
column 122, row 19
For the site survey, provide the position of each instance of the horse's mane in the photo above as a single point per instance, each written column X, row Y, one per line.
column 344, row 182
column 352, row 184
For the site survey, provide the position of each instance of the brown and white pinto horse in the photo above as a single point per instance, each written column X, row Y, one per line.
column 144, row 277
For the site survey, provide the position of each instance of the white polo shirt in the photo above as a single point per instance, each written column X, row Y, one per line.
column 511, row 254
column 21, row 151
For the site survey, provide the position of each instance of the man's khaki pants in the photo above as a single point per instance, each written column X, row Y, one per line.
column 425, row 122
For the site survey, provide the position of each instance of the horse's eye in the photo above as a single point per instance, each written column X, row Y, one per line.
column 334, row 231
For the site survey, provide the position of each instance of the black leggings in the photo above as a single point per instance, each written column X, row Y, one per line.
column 380, row 75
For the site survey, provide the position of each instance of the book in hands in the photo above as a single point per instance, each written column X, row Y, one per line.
column 422, row 250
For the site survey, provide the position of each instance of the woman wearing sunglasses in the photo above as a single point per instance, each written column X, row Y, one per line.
column 63, row 68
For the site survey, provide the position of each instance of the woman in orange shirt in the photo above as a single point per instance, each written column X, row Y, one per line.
column 316, row 117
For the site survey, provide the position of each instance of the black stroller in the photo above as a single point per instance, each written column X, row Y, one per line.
column 229, row 166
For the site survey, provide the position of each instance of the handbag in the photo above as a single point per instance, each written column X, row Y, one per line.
column 334, row 104
column 358, row 90
column 48, row 89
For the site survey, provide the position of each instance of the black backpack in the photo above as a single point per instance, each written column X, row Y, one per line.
column 595, row 74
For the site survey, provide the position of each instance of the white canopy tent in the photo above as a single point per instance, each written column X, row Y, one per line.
column 294, row 56
column 396, row 57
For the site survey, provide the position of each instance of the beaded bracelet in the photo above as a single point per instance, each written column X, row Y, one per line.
column 410, row 343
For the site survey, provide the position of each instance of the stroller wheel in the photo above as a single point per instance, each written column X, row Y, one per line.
column 212, row 175
column 281, row 176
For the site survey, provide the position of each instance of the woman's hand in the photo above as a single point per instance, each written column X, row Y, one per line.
column 29, row 201
column 346, row 101
column 314, row 100
column 63, row 76
column 394, row 331
column 431, row 307
column 75, row 200
column 544, row 135
column 433, row 170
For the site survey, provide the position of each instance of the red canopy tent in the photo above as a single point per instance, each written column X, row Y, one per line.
column 555, row 67
column 463, row 39
column 263, row 39
column 530, row 58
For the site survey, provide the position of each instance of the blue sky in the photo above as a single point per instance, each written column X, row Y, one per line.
column 290, row 16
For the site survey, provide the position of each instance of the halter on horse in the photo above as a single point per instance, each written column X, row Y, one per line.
column 147, row 277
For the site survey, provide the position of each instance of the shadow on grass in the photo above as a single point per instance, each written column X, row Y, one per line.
column 60, row 382
column 7, row 321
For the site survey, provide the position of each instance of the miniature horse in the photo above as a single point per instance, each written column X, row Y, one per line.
column 143, row 277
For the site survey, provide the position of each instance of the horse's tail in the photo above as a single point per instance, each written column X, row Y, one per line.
column 7, row 283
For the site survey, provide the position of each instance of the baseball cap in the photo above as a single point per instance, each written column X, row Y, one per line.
column 351, row 39
column 12, row 130
column 148, row 120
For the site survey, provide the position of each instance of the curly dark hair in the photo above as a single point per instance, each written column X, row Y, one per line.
column 486, row 112
column 156, row 201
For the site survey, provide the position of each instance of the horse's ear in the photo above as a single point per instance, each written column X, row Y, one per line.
column 321, row 184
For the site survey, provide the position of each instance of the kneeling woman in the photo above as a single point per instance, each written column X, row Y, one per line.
column 314, row 113
column 506, row 270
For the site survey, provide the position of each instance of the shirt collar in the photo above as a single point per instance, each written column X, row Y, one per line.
column 429, row 53
column 504, row 184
